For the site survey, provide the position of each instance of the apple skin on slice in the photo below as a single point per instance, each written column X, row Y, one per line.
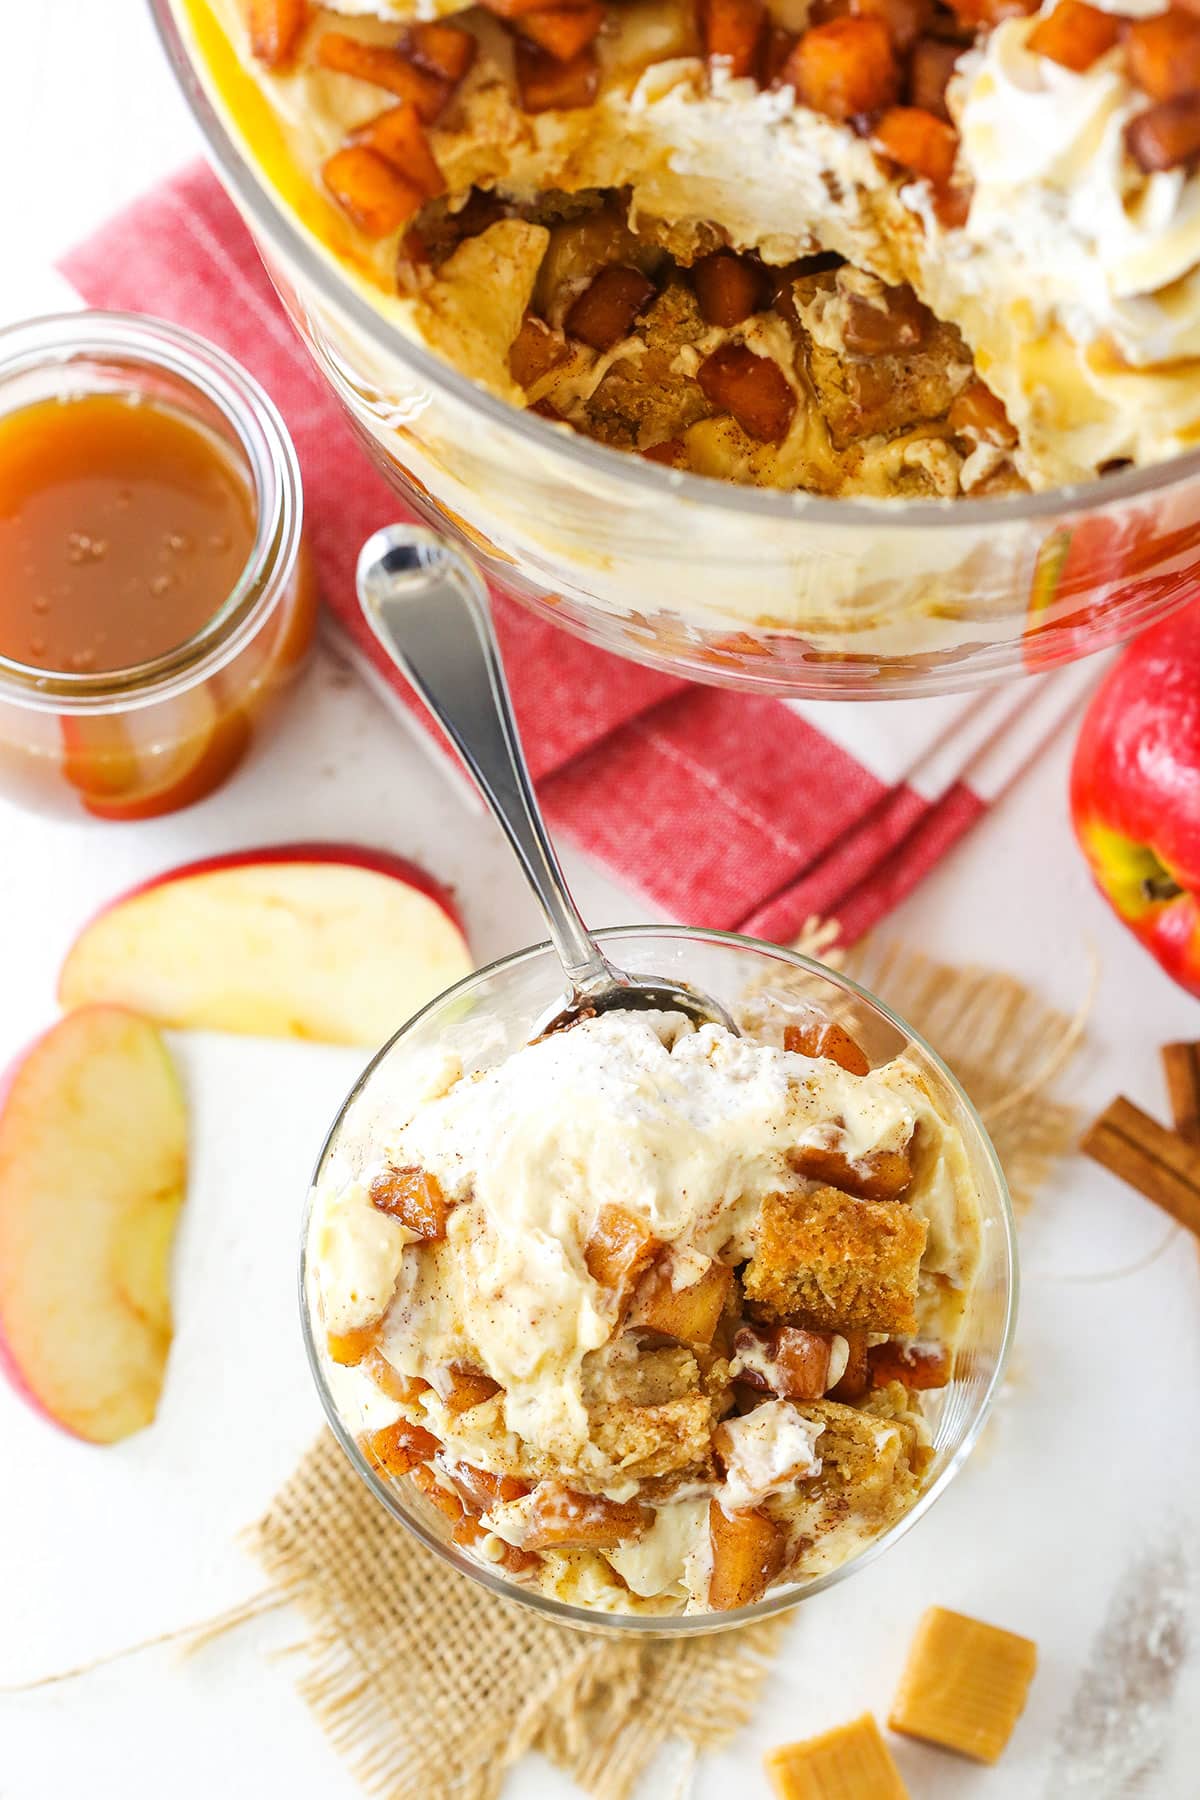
column 327, row 942
column 93, row 1164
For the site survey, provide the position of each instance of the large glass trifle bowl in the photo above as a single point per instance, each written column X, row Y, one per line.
column 776, row 591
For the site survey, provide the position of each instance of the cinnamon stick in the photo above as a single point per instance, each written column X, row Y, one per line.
column 1181, row 1066
column 1159, row 1163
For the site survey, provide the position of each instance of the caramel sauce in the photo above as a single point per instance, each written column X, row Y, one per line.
column 123, row 530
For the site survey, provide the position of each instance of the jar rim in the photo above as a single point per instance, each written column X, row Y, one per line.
column 136, row 341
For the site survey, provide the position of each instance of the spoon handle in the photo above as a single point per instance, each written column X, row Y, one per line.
column 427, row 606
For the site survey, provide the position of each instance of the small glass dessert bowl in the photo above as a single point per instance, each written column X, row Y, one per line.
column 160, row 594
column 615, row 1426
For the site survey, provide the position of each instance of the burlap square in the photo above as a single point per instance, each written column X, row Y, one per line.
column 431, row 1687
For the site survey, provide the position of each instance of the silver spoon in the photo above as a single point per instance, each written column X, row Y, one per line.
column 427, row 606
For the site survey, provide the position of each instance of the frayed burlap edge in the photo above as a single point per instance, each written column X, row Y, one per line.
column 432, row 1688
column 398, row 1637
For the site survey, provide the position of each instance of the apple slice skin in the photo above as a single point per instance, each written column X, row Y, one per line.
column 193, row 984
column 93, row 1165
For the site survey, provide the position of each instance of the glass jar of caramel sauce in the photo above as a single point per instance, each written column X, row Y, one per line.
column 157, row 593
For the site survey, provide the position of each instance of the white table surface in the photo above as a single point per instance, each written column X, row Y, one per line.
column 1081, row 1499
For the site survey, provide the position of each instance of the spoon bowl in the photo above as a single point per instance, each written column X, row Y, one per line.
column 426, row 604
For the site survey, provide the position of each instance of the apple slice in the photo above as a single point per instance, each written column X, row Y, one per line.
column 93, row 1159
column 328, row 942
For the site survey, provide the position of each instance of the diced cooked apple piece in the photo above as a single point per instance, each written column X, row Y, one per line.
column 619, row 1249
column 837, row 1261
column 880, row 1175
column 276, row 27
column 483, row 1490
column 1163, row 54
column 952, row 205
column 436, row 1492
column 470, row 1533
column 93, row 1162
column 930, row 67
column 399, row 137
column 561, row 31
column 672, row 452
column 856, row 1376
column 1166, row 136
column 891, row 322
column 547, row 85
column 349, row 1348
column 415, row 1198
column 747, row 1554
column 463, row 1386
column 1075, row 34
column 388, row 1379
column 513, row 9
column 561, row 1519
column 605, row 311
column 910, row 1364
column 986, row 13
column 752, row 388
column 732, row 31
column 536, row 350
column 399, row 1447
column 444, row 50
column 976, row 409
column 370, row 191
column 825, row 1037
column 845, row 68
column 729, row 288
column 777, row 46
column 787, row 1360
column 271, row 942
column 689, row 1314
column 918, row 141
column 904, row 20
column 386, row 67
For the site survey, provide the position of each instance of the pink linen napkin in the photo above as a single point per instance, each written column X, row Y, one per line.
column 724, row 808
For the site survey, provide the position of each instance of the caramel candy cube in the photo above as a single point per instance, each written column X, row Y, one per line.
column 840, row 1262
column 964, row 1685
column 851, row 1762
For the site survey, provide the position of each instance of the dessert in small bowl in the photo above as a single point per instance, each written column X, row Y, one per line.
column 650, row 1325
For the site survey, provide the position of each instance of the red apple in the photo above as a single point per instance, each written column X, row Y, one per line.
column 1135, row 791
column 328, row 942
column 93, row 1159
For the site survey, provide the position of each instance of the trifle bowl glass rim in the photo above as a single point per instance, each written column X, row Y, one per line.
column 638, row 474
column 775, row 1600
column 96, row 337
